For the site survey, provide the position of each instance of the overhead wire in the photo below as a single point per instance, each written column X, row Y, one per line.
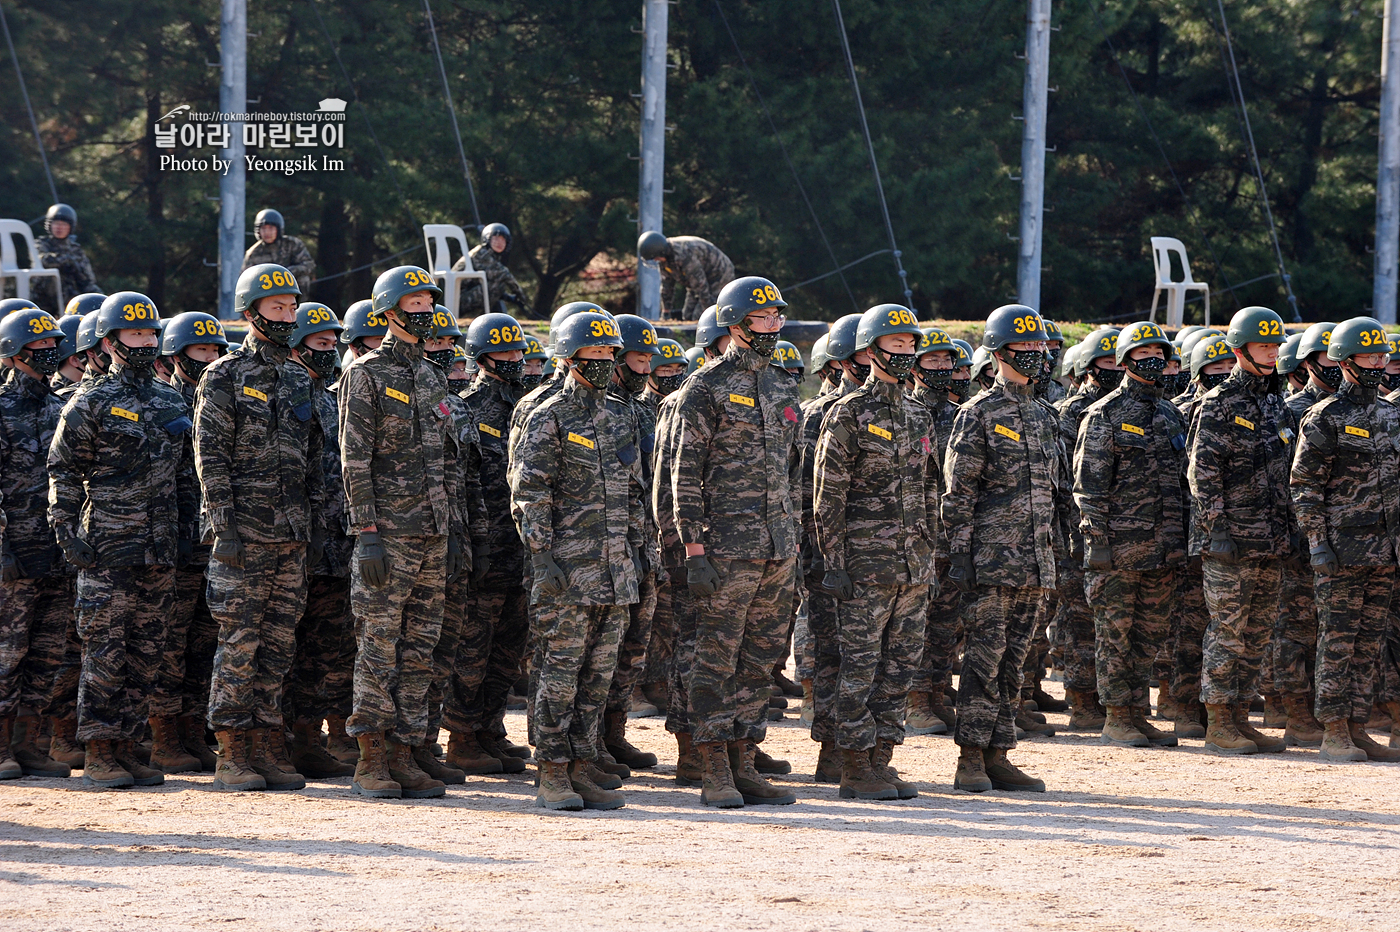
column 452, row 112
column 24, row 92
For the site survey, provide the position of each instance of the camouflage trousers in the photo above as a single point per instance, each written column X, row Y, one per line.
column 63, row 702
column 1388, row 676
column 1353, row 612
column 632, row 651
column 684, row 616
column 578, row 653
column 456, row 599
column 1074, row 629
column 935, row 670
column 35, row 616
column 319, row 685
column 1132, row 614
column 882, row 639
column 1243, row 601
column 999, row 626
column 396, row 629
column 662, row 642
column 740, row 633
column 123, row 613
column 257, row 609
column 1294, row 644
column 801, row 636
column 1189, row 622
column 824, row 628
column 1038, row 653
column 489, row 657
column 187, row 661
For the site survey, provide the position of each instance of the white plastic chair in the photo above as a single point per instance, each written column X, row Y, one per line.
column 1163, row 248
column 438, row 238
column 9, row 261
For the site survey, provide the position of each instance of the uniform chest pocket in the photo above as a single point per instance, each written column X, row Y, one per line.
column 578, row 464
column 123, row 440
column 396, row 403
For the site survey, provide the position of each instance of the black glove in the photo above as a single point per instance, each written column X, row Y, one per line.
column 1323, row 559
column 456, row 562
column 812, row 563
column 13, row 571
column 837, row 584
column 1222, row 548
column 548, row 575
column 78, row 553
column 481, row 564
column 1098, row 556
column 960, row 572
column 228, row 549
column 315, row 550
column 373, row 561
column 184, row 554
column 701, row 576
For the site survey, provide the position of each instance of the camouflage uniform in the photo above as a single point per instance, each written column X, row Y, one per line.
column 735, row 483
column 1128, row 480
column 1051, row 392
column 74, row 271
column 876, row 502
column 1190, row 617
column 1005, row 488
column 681, row 602
column 1240, row 445
column 258, row 448
column 121, row 479
column 699, row 265
column 399, row 462
column 1074, row 621
column 499, row 281
column 1346, row 489
column 287, row 251
column 575, row 499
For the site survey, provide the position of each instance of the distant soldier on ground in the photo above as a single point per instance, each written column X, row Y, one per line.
column 489, row 257
column 698, row 264
column 58, row 249
column 275, row 247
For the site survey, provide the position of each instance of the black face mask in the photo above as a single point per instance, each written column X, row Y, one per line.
column 45, row 361
column 1391, row 381
column 861, row 372
column 1152, row 369
column 1212, row 379
column 935, row 380
column 595, row 372
column 666, row 384
column 632, row 380
column 276, row 331
column 530, row 382
column 139, row 358
column 1026, row 362
column 512, row 370
column 960, row 387
column 1369, row 378
column 419, row 323
column 798, row 376
column 1108, row 379
column 1176, row 384
column 192, row 368
column 761, row 343
column 322, row 362
column 441, row 358
column 899, row 365
column 1332, row 377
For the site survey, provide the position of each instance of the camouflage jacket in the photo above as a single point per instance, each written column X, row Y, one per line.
column 662, row 504
column 1300, row 402
column 471, row 506
column 809, row 427
column 1004, row 486
column 257, row 445
column 737, row 475
column 699, row 265
column 526, row 406
column 29, row 412
column 643, row 415
column 288, row 252
column 120, row 473
column 499, row 281
column 489, row 403
column 1069, row 413
column 1051, row 392
column 398, row 455
column 74, row 271
column 340, row 544
column 877, row 487
column 1129, row 476
column 1346, row 476
column 1241, row 447
column 576, row 499
column 186, row 390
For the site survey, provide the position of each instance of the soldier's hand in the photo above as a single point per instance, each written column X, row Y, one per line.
column 184, row 553
column 1098, row 557
column 315, row 550
column 456, row 560
column 481, row 564
column 1222, row 548
column 1323, row 559
column 700, row 575
column 372, row 560
column 78, row 552
column 228, row 549
column 837, row 584
column 961, row 573
column 12, row 570
column 550, row 577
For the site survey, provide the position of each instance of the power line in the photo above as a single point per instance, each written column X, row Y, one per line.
column 452, row 112
column 33, row 123
column 361, row 268
column 837, row 271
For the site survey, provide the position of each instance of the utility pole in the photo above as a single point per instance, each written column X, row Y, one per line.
column 1388, row 174
column 233, row 98
column 653, row 148
column 1033, row 152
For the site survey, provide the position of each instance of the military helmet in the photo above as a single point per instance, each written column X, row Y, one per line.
column 1197, row 334
column 963, row 357
column 1357, row 337
column 936, row 340
column 1207, row 351
column 193, row 327
column 819, row 356
column 445, row 323
column 262, row 281
column 27, row 325
column 534, row 349
column 461, row 355
column 1144, row 333
column 128, row 310
column 706, row 330
column 495, row 229
column 69, row 324
column 1097, row 345
column 1053, row 332
column 671, row 353
column 311, row 318
column 585, row 329
column 81, row 304
column 1255, row 325
column 564, row 313
column 60, row 212
column 651, row 245
column 390, row 287
column 1065, row 364
column 268, row 215
column 496, row 333
column 787, row 356
column 1288, row 360
column 743, row 296
column 1315, row 339
column 841, row 341
column 549, row 368
column 87, row 332
column 638, row 334
column 1394, row 339
column 884, row 319
column 695, row 358
column 362, row 320
column 1013, row 323
column 10, row 305
column 1186, row 331
column 981, row 361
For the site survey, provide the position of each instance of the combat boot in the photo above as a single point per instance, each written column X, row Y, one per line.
column 491, row 745
column 689, row 772
column 437, row 769
column 232, row 770
column 339, row 744
column 622, row 750
column 309, row 758
column 556, row 790
column 1155, row 736
column 880, row 757
column 1005, row 775
column 32, row 760
column 971, row 774
column 919, row 718
column 1337, row 744
column 167, row 753
column 755, row 790
column 9, row 767
column 1374, row 750
column 828, row 764
column 1084, row 710
column 1394, row 709
column 1027, row 723
column 413, row 782
column 141, row 774
column 100, row 767
column 1265, row 743
column 1045, row 702
column 1221, row 734
column 859, row 780
column 1275, row 713
column 809, row 706
column 193, row 741
column 64, row 746
column 1188, row 720
column 604, row 778
column 506, row 747
column 1302, row 730
column 465, row 753
column 372, row 771
column 716, row 781
column 639, row 706
column 763, row 763
column 265, row 761
column 609, row 764
column 594, row 796
column 1167, row 707
column 1120, row 730
column 942, row 701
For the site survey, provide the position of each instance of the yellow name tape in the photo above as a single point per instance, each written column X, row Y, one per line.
column 1243, row 422
column 1134, row 429
column 1358, row 431
column 129, row 415
column 582, row 441
column 488, row 429
column 254, row 393
column 880, row 432
column 396, row 395
column 1008, row 432
column 741, row 400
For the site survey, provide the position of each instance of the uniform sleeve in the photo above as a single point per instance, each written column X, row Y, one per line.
column 71, row 455
column 452, row 478
column 1206, row 467
column 933, row 494
column 303, row 265
column 358, row 422
column 316, row 494
column 962, row 479
column 86, row 278
column 213, row 445
column 187, row 494
column 697, row 286
column 533, row 469
column 1312, row 469
column 831, row 482
column 478, row 524
column 1093, row 476
column 694, row 429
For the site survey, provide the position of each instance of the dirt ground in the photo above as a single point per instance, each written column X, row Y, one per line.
column 1124, row 839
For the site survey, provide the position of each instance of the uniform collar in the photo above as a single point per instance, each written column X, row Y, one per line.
column 260, row 346
column 1015, row 389
column 401, row 350
column 891, row 392
column 743, row 358
column 1357, row 394
column 592, row 397
column 1141, row 391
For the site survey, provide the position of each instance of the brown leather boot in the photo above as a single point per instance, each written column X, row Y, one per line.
column 919, row 718
column 100, row 767
column 193, row 741
column 141, row 774
column 372, row 771
column 310, row 758
column 263, row 757
column 338, row 744
column 1275, row 713
column 880, row 757
column 1265, row 743
column 1337, row 744
column 859, row 780
column 465, row 753
column 413, row 782
column 1120, row 730
column 828, row 763
column 1222, row 736
column 639, row 706
column 438, row 770
column 556, row 790
column 1026, row 721
column 64, row 746
column 1006, row 775
column 717, row 782
column 1302, row 729
column 609, row 764
column 9, row 767
column 594, row 796
column 1374, row 750
column 776, row 766
column 1167, row 707
column 943, row 702
column 809, row 708
column 32, row 760
column 1155, row 736
column 1188, row 720
column 1394, row 709
column 971, row 774
column 1084, row 710
column 604, row 778
column 167, row 753
column 1045, row 702
column 232, row 771
column 622, row 750
column 749, row 782
column 688, row 769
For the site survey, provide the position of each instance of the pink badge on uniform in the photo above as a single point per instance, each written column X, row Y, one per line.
column 927, row 449
column 442, row 408
column 790, row 414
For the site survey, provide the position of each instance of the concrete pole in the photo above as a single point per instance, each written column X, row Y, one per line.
column 1388, row 175
column 653, row 148
column 1033, row 152
column 233, row 98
